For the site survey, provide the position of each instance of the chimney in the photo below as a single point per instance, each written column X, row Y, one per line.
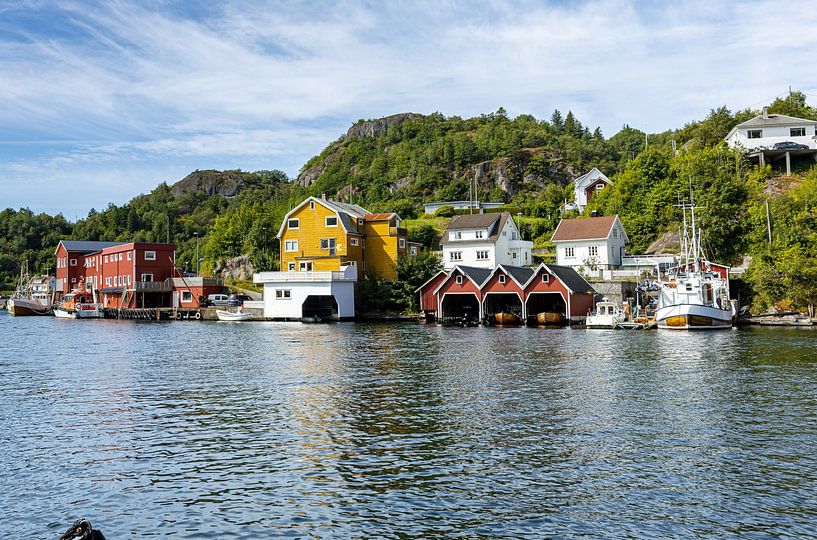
column 323, row 196
column 765, row 112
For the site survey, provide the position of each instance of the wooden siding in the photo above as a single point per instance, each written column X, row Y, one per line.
column 428, row 300
column 381, row 250
column 311, row 229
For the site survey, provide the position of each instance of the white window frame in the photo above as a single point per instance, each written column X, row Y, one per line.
column 593, row 251
column 482, row 255
column 290, row 246
column 754, row 134
column 458, row 279
column 545, row 278
column 479, row 234
column 331, row 243
column 457, row 235
column 401, row 242
column 502, row 278
column 293, row 223
column 146, row 275
column 354, row 241
column 73, row 262
column 801, row 132
column 150, row 255
column 311, row 205
column 108, row 281
column 73, row 280
column 128, row 255
column 283, row 294
column 187, row 296
column 305, row 266
column 570, row 253
column 455, row 255
column 326, row 221
column 291, row 267
column 106, row 258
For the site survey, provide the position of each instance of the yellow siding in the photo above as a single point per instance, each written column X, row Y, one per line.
column 382, row 248
column 312, row 228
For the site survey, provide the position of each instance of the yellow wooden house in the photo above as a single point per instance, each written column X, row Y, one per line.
column 320, row 234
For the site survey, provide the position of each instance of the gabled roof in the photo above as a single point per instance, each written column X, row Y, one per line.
column 570, row 278
column 380, row 217
column 520, row 274
column 592, row 173
column 477, row 276
column 594, row 228
column 775, row 120
column 435, row 276
column 493, row 223
column 348, row 214
column 87, row 246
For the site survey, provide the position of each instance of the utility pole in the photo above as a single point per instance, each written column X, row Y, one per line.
column 197, row 253
column 167, row 217
column 769, row 223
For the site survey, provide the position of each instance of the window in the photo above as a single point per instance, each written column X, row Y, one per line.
column 150, row 255
column 514, row 254
column 187, row 296
column 291, row 245
column 331, row 221
column 73, row 262
column 108, row 281
column 328, row 244
column 354, row 241
column 457, row 235
column 291, row 267
column 294, row 223
column 594, row 251
column 147, row 277
column 482, row 255
column 73, row 280
column 413, row 250
column 401, row 243
column 479, row 234
column 311, row 205
column 106, row 258
column 129, row 281
column 797, row 132
column 545, row 278
column 305, row 266
column 755, row 134
column 283, row 294
column 615, row 232
column 502, row 278
column 459, row 280
column 570, row 253
column 456, row 255
column 128, row 255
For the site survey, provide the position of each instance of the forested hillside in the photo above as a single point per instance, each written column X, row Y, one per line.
column 399, row 162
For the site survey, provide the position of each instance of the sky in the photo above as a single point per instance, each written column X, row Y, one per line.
column 100, row 102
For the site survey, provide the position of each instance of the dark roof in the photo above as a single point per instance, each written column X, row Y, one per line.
column 574, row 281
column 520, row 273
column 593, row 228
column 88, row 246
column 493, row 223
column 774, row 120
column 477, row 275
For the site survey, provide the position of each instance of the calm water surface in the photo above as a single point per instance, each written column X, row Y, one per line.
column 212, row 430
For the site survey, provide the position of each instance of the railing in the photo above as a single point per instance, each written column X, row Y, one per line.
column 153, row 286
column 305, row 277
column 397, row 231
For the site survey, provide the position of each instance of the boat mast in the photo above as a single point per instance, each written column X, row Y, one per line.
column 695, row 246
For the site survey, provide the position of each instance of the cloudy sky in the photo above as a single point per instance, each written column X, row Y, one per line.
column 102, row 101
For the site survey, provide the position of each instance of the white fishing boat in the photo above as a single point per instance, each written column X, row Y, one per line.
column 696, row 295
column 234, row 316
column 78, row 304
column 607, row 315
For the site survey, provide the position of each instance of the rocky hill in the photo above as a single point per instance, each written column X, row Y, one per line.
column 225, row 184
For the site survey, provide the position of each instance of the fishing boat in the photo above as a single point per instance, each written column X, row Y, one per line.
column 607, row 315
column 233, row 316
column 32, row 296
column 549, row 317
column 505, row 318
column 78, row 304
column 695, row 296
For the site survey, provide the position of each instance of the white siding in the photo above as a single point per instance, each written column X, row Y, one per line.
column 772, row 135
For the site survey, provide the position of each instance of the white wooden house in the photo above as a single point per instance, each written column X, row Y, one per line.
column 587, row 186
column 595, row 243
column 484, row 241
column 765, row 130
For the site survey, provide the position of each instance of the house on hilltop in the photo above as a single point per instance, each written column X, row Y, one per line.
column 772, row 137
column 594, row 243
column 587, row 186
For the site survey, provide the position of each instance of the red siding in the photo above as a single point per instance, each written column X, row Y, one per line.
column 467, row 286
column 428, row 300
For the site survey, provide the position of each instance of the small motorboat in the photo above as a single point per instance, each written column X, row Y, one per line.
column 78, row 304
column 549, row 317
column 233, row 316
column 504, row 318
column 607, row 315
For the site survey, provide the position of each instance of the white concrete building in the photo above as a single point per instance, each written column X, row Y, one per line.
column 484, row 241
column 432, row 207
column 764, row 131
column 587, row 186
column 595, row 243
column 322, row 294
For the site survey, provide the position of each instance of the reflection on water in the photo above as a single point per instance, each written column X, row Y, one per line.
column 202, row 430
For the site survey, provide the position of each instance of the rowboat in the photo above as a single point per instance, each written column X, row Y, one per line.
column 233, row 316
column 505, row 319
column 549, row 317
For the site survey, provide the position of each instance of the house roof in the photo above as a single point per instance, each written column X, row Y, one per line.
column 572, row 279
column 493, row 223
column 775, row 120
column 87, row 246
column 520, row 274
column 598, row 174
column 594, row 228
column 379, row 217
column 478, row 276
column 347, row 213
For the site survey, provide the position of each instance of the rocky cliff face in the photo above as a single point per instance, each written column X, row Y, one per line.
column 236, row 268
column 223, row 183
column 379, row 126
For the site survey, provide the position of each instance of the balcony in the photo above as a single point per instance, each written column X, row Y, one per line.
column 154, row 286
column 398, row 231
column 326, row 276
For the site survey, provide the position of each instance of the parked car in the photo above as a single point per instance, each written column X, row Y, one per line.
column 237, row 299
column 789, row 145
column 218, row 300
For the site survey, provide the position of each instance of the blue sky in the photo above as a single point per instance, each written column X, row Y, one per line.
column 102, row 101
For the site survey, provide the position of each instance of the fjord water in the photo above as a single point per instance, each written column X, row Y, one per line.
column 255, row 430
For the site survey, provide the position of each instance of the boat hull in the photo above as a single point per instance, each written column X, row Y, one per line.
column 549, row 317
column 89, row 313
column 232, row 316
column 692, row 317
column 505, row 319
column 22, row 307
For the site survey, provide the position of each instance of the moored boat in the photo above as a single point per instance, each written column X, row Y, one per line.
column 78, row 304
column 549, row 317
column 607, row 315
column 233, row 316
column 505, row 318
column 27, row 306
column 32, row 296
